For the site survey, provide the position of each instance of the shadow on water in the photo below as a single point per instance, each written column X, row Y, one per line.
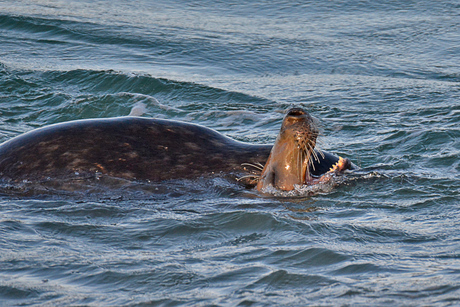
column 106, row 187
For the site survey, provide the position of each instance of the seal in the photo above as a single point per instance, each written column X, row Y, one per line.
column 137, row 148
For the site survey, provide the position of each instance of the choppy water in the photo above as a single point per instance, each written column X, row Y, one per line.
column 382, row 76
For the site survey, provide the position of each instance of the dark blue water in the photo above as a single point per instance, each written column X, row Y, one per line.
column 383, row 78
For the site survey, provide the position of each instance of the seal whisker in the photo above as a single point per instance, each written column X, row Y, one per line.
column 307, row 170
column 248, row 176
column 319, row 142
column 314, row 153
column 299, row 163
column 256, row 166
column 309, row 161
column 259, row 164
column 303, row 158
column 321, row 153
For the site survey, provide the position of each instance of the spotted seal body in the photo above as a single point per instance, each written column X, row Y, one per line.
column 132, row 148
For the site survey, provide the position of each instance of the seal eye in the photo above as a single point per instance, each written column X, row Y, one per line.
column 296, row 112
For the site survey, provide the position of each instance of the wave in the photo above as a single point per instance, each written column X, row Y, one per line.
column 67, row 31
column 45, row 97
column 190, row 50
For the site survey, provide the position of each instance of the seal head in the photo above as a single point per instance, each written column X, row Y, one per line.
column 293, row 157
column 288, row 163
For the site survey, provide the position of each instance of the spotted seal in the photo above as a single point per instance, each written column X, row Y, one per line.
column 137, row 148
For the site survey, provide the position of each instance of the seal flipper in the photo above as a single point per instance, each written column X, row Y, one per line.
column 325, row 162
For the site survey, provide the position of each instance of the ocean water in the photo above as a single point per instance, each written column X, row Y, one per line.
column 382, row 77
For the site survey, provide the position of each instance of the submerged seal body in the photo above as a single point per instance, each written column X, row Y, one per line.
column 134, row 148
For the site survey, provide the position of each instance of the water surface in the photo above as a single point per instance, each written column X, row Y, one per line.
column 382, row 78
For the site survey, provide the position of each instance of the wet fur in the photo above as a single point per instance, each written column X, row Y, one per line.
column 293, row 159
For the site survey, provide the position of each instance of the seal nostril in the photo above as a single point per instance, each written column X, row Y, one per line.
column 296, row 112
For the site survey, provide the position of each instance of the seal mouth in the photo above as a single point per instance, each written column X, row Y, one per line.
column 292, row 154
